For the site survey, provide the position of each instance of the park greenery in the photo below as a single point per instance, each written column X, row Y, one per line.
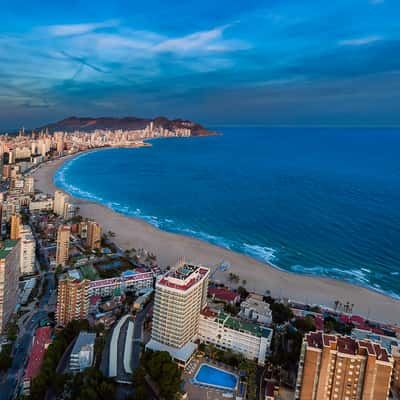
column 163, row 371
column 5, row 357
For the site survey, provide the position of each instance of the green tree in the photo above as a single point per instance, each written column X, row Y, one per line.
column 164, row 372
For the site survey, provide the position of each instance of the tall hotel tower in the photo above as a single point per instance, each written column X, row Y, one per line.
column 179, row 298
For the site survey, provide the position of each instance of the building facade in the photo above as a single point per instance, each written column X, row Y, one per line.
column 15, row 226
column 228, row 333
column 28, row 251
column 342, row 368
column 179, row 298
column 60, row 199
column 9, row 275
column 93, row 235
column 72, row 299
column 62, row 250
column 82, row 355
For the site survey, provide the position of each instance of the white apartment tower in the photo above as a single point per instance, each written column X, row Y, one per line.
column 28, row 249
column 179, row 298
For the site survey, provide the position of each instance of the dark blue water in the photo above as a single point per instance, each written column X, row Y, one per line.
column 313, row 201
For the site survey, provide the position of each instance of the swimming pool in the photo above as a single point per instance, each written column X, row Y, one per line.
column 215, row 377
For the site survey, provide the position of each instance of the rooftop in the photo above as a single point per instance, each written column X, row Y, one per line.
column 84, row 339
column 184, row 277
column 347, row 345
column 6, row 247
column 223, row 294
column 237, row 324
column 42, row 339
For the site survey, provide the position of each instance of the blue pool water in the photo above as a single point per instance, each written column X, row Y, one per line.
column 319, row 202
column 215, row 377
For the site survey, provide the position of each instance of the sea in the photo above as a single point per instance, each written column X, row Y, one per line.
column 314, row 201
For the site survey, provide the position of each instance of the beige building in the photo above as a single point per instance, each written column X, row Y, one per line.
column 72, row 298
column 9, row 275
column 93, row 235
column 15, row 226
column 179, row 298
column 29, row 184
column 60, row 199
column 62, row 251
column 342, row 368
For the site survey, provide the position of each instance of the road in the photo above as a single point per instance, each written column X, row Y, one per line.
column 21, row 350
column 137, row 335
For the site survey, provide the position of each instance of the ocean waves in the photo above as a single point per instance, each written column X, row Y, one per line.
column 313, row 215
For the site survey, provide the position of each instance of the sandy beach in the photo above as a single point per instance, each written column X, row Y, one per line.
column 259, row 277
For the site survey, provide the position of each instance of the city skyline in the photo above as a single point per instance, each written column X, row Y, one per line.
column 272, row 63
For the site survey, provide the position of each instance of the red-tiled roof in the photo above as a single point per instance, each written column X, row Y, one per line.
column 94, row 299
column 196, row 276
column 42, row 339
column 223, row 294
column 208, row 312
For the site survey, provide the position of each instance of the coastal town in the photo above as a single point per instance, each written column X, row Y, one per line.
column 84, row 316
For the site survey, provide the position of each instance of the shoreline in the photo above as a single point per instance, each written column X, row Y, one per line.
column 259, row 276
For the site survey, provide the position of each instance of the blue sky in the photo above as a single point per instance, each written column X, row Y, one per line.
column 218, row 62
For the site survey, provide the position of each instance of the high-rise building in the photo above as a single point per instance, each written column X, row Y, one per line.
column 9, row 275
column 60, row 199
column 15, row 226
column 72, row 298
column 342, row 368
column 70, row 210
column 29, row 184
column 179, row 298
column 28, row 249
column 93, row 235
column 62, row 251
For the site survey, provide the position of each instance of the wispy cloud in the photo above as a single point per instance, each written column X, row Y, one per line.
column 362, row 41
column 210, row 40
column 79, row 29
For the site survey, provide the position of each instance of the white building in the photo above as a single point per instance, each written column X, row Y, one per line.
column 28, row 251
column 179, row 298
column 41, row 204
column 129, row 280
column 60, row 199
column 228, row 333
column 256, row 309
column 82, row 355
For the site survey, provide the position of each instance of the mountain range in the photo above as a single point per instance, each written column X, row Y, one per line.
column 88, row 124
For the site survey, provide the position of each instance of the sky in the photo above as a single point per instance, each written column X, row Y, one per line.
column 218, row 62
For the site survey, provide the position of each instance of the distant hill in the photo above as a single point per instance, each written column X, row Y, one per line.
column 90, row 124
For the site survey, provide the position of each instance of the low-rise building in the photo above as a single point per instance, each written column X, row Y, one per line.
column 82, row 355
column 256, row 309
column 41, row 342
column 227, row 333
column 224, row 294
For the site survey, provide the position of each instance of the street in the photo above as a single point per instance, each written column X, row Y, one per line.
column 11, row 380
